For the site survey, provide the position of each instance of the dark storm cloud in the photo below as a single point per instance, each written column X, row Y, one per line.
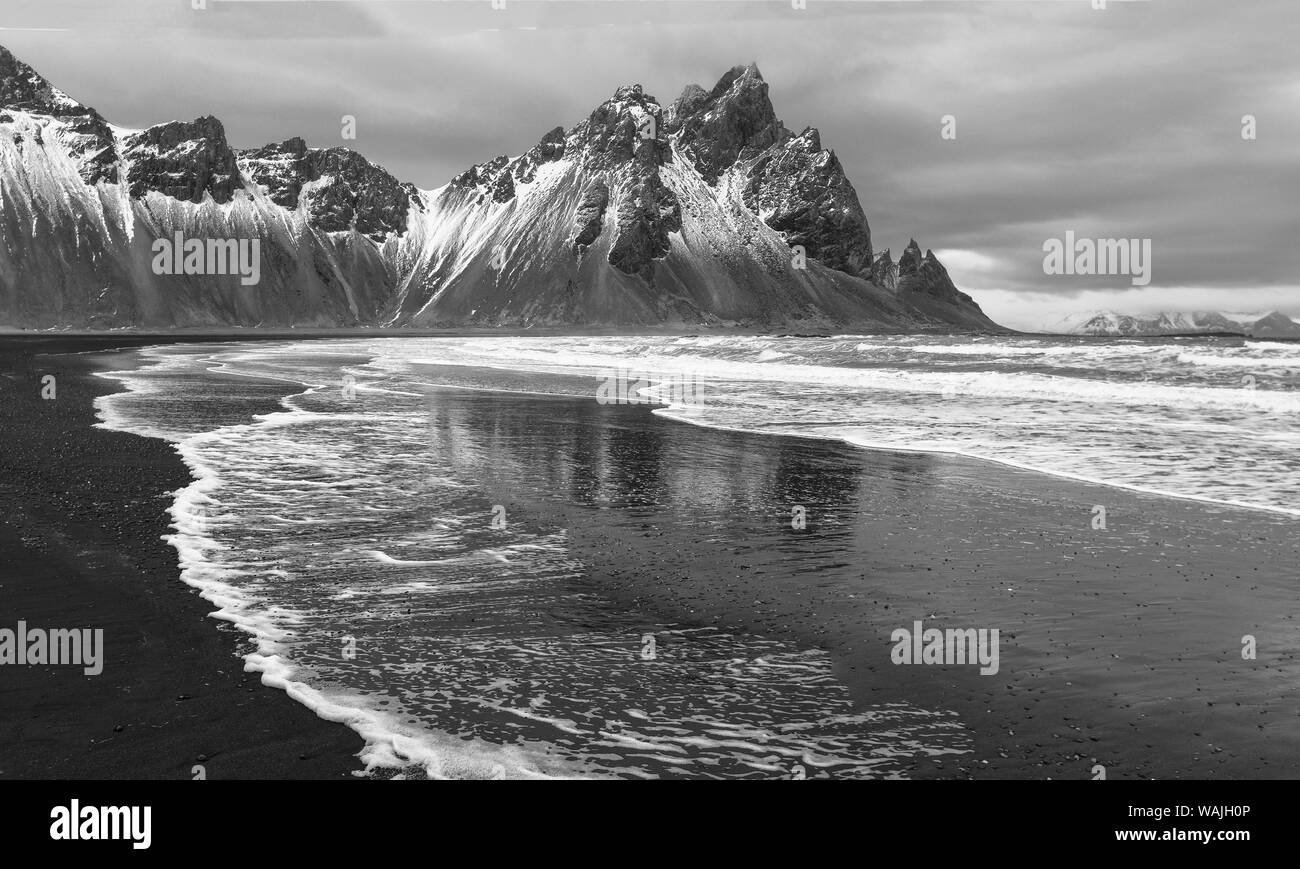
column 1123, row 122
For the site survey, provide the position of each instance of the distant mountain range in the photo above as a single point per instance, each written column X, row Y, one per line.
column 1270, row 325
column 706, row 212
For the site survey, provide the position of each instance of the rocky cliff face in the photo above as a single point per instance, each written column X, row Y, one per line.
column 926, row 275
column 623, row 144
column 884, row 271
column 801, row 191
column 186, row 161
column 796, row 187
column 707, row 213
column 343, row 190
column 732, row 122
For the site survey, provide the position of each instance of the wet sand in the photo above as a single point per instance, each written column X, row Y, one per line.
column 1119, row 648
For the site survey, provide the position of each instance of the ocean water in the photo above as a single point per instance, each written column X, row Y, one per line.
column 349, row 534
column 1211, row 419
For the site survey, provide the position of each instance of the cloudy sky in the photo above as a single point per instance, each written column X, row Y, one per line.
column 1121, row 122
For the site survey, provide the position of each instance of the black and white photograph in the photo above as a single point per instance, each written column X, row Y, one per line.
column 841, row 390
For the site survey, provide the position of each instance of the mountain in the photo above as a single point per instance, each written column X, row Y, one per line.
column 1271, row 325
column 708, row 212
column 1274, row 325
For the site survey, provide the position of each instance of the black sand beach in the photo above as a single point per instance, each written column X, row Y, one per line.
column 80, row 547
column 1119, row 648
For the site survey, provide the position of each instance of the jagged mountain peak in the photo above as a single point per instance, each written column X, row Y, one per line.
column 549, row 148
column 630, row 200
column 22, row 87
column 82, row 131
column 709, row 212
column 736, row 117
column 631, row 93
column 172, row 134
column 746, row 74
column 910, row 262
column 496, row 179
column 811, row 139
column 687, row 103
column 884, row 271
column 186, row 160
column 339, row 189
column 628, row 127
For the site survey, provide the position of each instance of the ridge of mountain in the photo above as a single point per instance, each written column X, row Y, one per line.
column 1272, row 324
column 707, row 213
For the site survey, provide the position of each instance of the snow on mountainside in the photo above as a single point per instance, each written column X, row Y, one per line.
column 709, row 212
column 1109, row 323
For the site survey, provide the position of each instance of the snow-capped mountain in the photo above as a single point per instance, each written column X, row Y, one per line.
column 707, row 212
column 1109, row 323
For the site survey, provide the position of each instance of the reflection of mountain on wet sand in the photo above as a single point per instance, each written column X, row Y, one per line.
column 694, row 525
